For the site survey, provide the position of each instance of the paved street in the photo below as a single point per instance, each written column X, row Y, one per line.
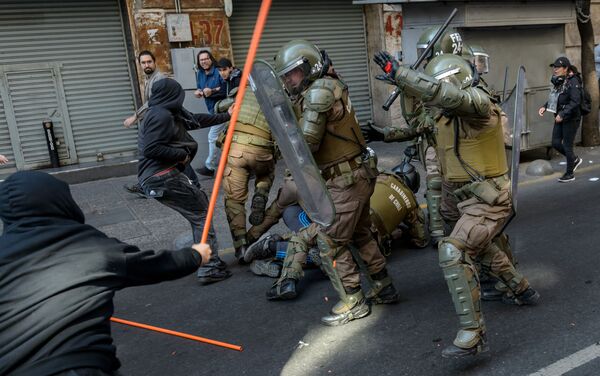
column 555, row 239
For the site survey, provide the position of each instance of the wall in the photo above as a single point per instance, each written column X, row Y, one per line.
column 147, row 19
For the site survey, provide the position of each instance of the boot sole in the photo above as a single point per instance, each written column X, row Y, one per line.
column 467, row 352
column 285, row 296
column 366, row 311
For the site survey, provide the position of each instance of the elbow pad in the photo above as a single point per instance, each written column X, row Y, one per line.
column 461, row 101
column 312, row 125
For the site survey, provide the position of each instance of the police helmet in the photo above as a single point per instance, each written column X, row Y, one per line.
column 450, row 42
column 453, row 69
column 409, row 175
column 301, row 57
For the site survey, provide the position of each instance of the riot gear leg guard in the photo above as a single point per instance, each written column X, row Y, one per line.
column 353, row 304
column 291, row 272
column 434, row 197
column 382, row 290
column 461, row 277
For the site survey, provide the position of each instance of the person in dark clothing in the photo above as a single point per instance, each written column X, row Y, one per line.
column 564, row 101
column 58, row 277
column 231, row 76
column 167, row 149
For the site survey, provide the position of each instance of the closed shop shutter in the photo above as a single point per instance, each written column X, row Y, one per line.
column 85, row 40
column 5, row 146
column 336, row 26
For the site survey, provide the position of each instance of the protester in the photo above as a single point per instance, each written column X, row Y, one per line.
column 167, row 150
column 58, row 277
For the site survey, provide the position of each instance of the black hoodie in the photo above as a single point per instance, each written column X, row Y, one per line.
column 164, row 140
column 58, row 277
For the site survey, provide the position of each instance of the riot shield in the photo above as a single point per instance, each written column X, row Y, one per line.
column 514, row 107
column 277, row 108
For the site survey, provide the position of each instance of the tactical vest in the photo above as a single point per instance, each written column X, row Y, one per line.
column 251, row 121
column 485, row 152
column 390, row 203
column 343, row 139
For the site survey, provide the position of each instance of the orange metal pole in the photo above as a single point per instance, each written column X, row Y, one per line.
column 177, row 334
column 258, row 29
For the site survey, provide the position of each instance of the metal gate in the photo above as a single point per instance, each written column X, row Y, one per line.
column 336, row 25
column 25, row 109
column 87, row 80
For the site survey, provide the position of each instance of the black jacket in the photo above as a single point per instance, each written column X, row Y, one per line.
column 58, row 277
column 164, row 139
column 569, row 100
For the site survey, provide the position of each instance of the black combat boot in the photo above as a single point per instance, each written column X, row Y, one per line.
column 259, row 204
column 454, row 351
column 214, row 270
column 353, row 307
column 283, row 290
column 383, row 290
column 263, row 248
column 527, row 297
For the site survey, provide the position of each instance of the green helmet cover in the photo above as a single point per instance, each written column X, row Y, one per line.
column 451, row 68
column 450, row 42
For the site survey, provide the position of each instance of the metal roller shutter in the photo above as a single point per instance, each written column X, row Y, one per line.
column 336, row 26
column 5, row 145
column 85, row 39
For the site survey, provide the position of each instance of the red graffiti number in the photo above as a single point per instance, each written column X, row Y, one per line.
column 211, row 31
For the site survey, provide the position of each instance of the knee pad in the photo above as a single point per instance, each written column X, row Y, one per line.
column 449, row 253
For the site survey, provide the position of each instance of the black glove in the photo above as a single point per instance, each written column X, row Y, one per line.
column 371, row 133
column 387, row 63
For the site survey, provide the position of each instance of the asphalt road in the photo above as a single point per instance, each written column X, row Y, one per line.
column 555, row 238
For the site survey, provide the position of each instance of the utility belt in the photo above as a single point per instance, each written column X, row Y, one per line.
column 347, row 167
column 488, row 190
column 246, row 139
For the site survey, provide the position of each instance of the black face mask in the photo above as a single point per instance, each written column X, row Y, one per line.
column 557, row 80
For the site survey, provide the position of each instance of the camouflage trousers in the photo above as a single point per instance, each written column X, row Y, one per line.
column 477, row 225
column 242, row 162
column 352, row 225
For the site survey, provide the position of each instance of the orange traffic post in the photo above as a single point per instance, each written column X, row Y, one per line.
column 258, row 29
column 177, row 334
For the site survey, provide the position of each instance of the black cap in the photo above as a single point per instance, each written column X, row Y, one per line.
column 224, row 63
column 561, row 62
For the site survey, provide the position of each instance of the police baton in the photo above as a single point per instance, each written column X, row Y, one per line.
column 388, row 103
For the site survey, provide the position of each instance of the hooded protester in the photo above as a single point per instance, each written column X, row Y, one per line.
column 58, row 277
column 167, row 148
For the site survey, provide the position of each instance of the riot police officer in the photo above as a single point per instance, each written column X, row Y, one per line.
column 420, row 121
column 330, row 127
column 474, row 168
column 251, row 153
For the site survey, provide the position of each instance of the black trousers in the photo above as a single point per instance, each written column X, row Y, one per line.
column 175, row 190
column 563, row 137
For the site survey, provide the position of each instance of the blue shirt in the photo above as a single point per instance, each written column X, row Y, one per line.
column 211, row 80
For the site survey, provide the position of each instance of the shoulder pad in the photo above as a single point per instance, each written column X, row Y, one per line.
column 320, row 97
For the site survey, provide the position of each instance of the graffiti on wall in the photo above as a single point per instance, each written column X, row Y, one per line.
column 393, row 24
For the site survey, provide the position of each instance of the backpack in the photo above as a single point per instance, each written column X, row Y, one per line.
column 586, row 101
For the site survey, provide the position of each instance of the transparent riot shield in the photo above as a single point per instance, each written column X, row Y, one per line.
column 514, row 107
column 278, row 111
